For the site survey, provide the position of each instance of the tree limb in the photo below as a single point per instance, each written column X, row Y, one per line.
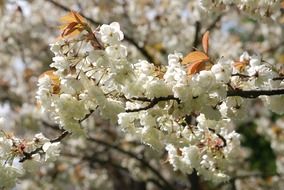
column 28, row 155
column 196, row 35
column 132, row 155
column 152, row 103
column 254, row 93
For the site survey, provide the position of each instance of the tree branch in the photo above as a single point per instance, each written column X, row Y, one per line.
column 86, row 116
column 64, row 133
column 28, row 155
column 107, row 162
column 232, row 92
column 254, row 93
column 194, row 181
column 196, row 35
column 132, row 155
column 152, row 103
column 215, row 21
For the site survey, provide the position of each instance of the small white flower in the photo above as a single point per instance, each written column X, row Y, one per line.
column 70, row 107
column 173, row 157
column 51, row 150
column 191, row 155
column 205, row 80
column 40, row 139
column 222, row 71
column 116, row 51
column 144, row 67
column 175, row 73
column 244, row 57
column 157, row 88
column 55, row 48
column 44, row 88
column 5, row 147
column 111, row 34
column 255, row 61
column 97, row 58
column 60, row 63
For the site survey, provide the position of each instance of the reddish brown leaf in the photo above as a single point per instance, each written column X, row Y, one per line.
column 72, row 17
column 195, row 67
column 71, row 32
column 205, row 42
column 78, row 18
column 67, row 28
column 194, row 57
column 72, row 24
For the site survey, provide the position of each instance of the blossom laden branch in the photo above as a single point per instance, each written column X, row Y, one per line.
column 232, row 92
column 64, row 133
column 28, row 155
column 198, row 89
column 190, row 102
column 254, row 93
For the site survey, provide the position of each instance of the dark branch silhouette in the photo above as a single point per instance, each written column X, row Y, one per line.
column 231, row 92
column 132, row 155
column 254, row 93
column 196, row 35
column 152, row 103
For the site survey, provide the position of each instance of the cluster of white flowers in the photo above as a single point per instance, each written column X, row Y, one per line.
column 209, row 148
column 255, row 7
column 188, row 115
column 13, row 149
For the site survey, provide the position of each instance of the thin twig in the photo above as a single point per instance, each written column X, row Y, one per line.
column 214, row 23
column 240, row 75
column 194, row 180
column 152, row 103
column 87, row 116
column 196, row 35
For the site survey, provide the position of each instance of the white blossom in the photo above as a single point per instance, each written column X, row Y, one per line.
column 51, row 150
column 111, row 34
